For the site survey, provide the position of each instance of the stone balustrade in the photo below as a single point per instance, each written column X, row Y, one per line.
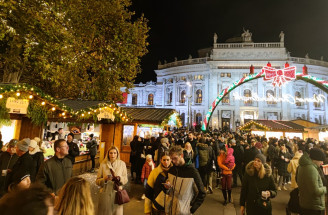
column 308, row 61
column 184, row 62
column 247, row 45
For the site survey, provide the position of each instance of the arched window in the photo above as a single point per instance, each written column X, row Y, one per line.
column 298, row 96
column 199, row 96
column 182, row 116
column 226, row 99
column 183, row 96
column 134, row 99
column 198, row 118
column 270, row 97
column 316, row 104
column 248, row 94
column 150, row 99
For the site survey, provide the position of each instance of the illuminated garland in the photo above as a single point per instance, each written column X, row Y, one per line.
column 174, row 116
column 247, row 126
column 322, row 84
column 54, row 105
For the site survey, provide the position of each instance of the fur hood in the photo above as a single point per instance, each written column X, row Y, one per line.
column 265, row 170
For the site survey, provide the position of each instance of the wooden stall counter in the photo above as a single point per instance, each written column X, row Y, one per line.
column 83, row 163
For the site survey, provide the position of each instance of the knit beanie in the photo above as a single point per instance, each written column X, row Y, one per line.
column 317, row 154
column 33, row 144
column 24, row 144
column 261, row 157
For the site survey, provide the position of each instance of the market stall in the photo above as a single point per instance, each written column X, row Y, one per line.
column 274, row 128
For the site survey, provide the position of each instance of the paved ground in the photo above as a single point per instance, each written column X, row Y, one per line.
column 212, row 204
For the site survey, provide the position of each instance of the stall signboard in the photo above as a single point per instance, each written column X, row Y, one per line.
column 106, row 114
column 17, row 106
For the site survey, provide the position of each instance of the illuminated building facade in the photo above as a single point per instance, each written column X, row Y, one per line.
column 190, row 86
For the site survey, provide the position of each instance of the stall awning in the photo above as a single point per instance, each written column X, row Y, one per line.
column 152, row 115
column 272, row 125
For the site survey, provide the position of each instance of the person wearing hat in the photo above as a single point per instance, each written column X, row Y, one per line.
column 37, row 156
column 311, row 184
column 7, row 161
column 258, row 185
column 24, row 163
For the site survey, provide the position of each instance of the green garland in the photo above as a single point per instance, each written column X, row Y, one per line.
column 4, row 114
column 37, row 113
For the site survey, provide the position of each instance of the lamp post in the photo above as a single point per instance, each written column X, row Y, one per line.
column 189, row 104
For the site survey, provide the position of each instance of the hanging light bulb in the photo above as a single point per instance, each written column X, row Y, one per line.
column 30, row 97
column 18, row 94
column 43, row 103
column 1, row 96
column 82, row 114
column 63, row 113
column 53, row 109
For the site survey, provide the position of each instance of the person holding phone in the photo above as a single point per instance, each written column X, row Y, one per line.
column 257, row 188
column 106, row 180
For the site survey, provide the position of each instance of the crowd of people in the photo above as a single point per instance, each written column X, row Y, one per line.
column 177, row 170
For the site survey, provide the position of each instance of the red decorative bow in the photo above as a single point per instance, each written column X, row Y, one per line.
column 279, row 76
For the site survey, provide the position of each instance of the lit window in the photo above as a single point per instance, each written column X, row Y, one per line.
column 183, row 96
column 198, row 118
column 222, row 75
column 248, row 93
column 229, row 75
column 270, row 96
column 226, row 99
column 316, row 104
column 150, row 99
column 199, row 96
column 134, row 99
column 298, row 96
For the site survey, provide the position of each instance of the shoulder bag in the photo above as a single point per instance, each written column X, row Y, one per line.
column 121, row 196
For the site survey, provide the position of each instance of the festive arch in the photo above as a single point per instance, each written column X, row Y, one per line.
column 279, row 77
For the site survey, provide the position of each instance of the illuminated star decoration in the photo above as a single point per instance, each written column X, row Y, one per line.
column 279, row 76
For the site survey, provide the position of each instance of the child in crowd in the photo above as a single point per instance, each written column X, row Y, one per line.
column 146, row 169
column 230, row 159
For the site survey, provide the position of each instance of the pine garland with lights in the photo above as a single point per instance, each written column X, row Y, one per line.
column 37, row 113
column 4, row 114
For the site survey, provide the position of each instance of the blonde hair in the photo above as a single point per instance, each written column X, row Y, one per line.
column 75, row 198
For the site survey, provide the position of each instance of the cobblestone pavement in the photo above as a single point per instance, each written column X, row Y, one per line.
column 212, row 205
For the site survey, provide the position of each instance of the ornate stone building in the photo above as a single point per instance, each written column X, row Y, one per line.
column 190, row 86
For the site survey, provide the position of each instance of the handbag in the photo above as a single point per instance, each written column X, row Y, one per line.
column 121, row 196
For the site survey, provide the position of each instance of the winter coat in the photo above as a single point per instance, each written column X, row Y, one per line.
column 292, row 167
column 225, row 169
column 272, row 153
column 229, row 161
column 250, row 154
column 7, row 161
column 146, row 169
column 252, row 186
column 311, row 189
column 73, row 151
column 187, row 193
column 282, row 163
column 38, row 159
column 188, row 156
column 23, row 166
column 155, row 190
column 204, row 154
column 92, row 146
column 119, row 169
column 133, row 153
column 55, row 172
column 238, row 153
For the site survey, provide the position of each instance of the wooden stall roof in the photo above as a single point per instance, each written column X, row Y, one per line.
column 274, row 125
column 155, row 115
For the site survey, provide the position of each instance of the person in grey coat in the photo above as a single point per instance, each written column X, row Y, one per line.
column 92, row 146
column 57, row 170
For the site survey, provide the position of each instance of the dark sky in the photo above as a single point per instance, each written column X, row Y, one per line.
column 181, row 27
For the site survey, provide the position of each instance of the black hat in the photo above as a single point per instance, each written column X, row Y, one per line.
column 317, row 154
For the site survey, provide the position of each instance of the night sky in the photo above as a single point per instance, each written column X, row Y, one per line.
column 181, row 27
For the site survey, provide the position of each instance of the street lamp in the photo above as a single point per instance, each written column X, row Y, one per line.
column 189, row 104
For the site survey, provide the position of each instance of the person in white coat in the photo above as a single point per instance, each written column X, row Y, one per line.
column 112, row 162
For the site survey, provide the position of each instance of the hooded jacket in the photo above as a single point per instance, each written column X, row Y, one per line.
column 225, row 170
column 187, row 193
column 204, row 154
column 311, row 189
column 292, row 167
column 253, row 184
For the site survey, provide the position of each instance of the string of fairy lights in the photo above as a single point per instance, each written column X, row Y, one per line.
column 56, row 107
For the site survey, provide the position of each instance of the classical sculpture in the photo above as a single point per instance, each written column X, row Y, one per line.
column 247, row 36
column 282, row 36
column 215, row 38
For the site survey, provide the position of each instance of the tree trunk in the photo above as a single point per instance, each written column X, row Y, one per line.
column 11, row 77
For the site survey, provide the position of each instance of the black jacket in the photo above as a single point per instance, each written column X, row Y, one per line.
column 7, row 161
column 73, row 151
column 23, row 166
column 38, row 160
column 92, row 146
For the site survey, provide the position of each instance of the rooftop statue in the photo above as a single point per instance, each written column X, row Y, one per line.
column 282, row 36
column 215, row 38
column 247, row 36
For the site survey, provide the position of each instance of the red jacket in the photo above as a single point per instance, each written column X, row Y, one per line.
column 146, row 169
